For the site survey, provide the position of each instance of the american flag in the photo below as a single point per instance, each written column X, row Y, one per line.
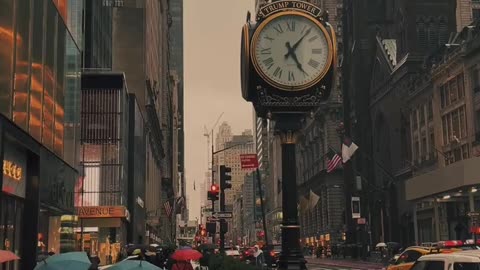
column 168, row 207
column 333, row 161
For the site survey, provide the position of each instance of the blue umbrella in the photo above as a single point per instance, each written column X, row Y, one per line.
column 133, row 265
column 70, row 261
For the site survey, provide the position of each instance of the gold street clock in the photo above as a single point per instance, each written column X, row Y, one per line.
column 291, row 50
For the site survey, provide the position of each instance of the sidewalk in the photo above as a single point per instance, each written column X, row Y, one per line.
column 356, row 264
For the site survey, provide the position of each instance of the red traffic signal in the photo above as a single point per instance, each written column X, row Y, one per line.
column 213, row 192
column 214, row 188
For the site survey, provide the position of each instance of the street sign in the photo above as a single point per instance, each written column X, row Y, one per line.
column 249, row 161
column 474, row 214
column 222, row 215
column 361, row 221
column 212, row 219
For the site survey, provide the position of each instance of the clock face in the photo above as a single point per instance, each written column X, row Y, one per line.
column 291, row 51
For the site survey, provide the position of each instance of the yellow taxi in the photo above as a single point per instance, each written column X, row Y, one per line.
column 410, row 255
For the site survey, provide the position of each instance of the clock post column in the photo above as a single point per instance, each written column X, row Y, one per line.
column 291, row 256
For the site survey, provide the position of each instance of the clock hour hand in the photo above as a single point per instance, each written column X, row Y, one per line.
column 294, row 57
column 294, row 47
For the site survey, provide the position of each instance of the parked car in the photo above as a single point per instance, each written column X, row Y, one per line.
column 272, row 254
column 462, row 260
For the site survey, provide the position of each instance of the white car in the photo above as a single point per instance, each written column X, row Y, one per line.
column 462, row 260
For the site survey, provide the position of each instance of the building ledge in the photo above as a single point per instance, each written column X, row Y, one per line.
column 457, row 175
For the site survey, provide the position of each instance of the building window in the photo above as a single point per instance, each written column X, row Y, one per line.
column 421, row 116
column 430, row 110
column 414, row 120
column 442, row 97
column 475, row 80
column 424, row 148
column 461, row 88
column 477, row 125
column 476, row 12
column 416, row 151
column 421, row 34
column 433, row 151
column 465, row 152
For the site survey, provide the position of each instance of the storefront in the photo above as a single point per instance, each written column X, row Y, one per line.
column 103, row 231
column 444, row 201
column 32, row 174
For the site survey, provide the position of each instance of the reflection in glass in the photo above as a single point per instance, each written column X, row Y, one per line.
column 49, row 77
column 36, row 79
column 20, row 90
column 72, row 102
column 6, row 55
column 59, row 93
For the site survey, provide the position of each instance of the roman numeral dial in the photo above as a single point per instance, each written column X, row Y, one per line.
column 291, row 51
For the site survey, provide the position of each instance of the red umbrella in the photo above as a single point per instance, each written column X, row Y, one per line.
column 6, row 256
column 186, row 255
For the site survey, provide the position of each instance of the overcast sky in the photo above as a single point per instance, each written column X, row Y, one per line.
column 212, row 31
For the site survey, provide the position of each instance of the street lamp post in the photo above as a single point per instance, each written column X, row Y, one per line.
column 291, row 256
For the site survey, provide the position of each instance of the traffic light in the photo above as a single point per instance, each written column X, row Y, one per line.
column 225, row 177
column 213, row 193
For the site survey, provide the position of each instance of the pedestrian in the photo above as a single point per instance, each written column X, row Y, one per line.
column 182, row 265
column 259, row 257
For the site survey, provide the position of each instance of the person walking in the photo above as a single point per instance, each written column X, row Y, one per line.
column 182, row 265
column 259, row 257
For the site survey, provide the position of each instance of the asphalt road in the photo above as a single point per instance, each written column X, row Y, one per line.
column 320, row 267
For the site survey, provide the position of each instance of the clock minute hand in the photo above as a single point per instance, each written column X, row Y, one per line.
column 300, row 40
column 294, row 47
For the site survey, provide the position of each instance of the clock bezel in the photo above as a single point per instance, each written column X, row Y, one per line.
column 266, row 77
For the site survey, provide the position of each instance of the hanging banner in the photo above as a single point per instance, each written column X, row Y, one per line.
column 356, row 207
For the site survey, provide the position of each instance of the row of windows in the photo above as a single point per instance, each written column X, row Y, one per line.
column 454, row 126
column 423, row 148
column 457, row 154
column 452, row 91
column 418, row 116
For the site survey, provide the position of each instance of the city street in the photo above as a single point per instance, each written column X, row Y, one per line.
column 239, row 134
column 341, row 264
column 319, row 267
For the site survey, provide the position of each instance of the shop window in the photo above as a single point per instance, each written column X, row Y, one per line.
column 11, row 227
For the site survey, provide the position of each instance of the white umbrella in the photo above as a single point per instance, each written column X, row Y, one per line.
column 380, row 245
